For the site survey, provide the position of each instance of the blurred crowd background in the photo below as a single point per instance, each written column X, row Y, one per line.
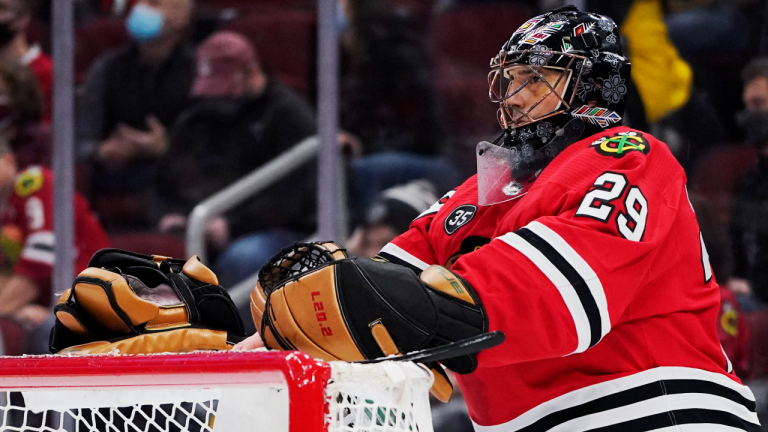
column 176, row 99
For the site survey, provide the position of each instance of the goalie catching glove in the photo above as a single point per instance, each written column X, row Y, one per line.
column 140, row 304
column 311, row 297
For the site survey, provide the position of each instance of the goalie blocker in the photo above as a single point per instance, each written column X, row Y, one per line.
column 140, row 304
column 319, row 301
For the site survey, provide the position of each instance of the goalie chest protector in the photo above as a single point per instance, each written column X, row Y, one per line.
column 601, row 282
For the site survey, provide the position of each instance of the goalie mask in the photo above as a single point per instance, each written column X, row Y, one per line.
column 559, row 78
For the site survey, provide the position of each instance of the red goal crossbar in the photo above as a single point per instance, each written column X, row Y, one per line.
column 304, row 377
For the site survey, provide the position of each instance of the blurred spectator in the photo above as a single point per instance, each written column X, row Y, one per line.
column 667, row 103
column 715, row 234
column 15, row 18
column 717, row 38
column 131, row 98
column 369, row 175
column 21, row 110
column 706, row 27
column 388, row 104
column 749, row 223
column 389, row 216
column 731, row 325
column 663, row 79
column 242, row 120
column 27, row 241
column 387, row 97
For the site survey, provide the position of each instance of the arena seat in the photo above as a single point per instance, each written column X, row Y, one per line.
column 757, row 322
column 285, row 41
column 464, row 38
column 150, row 243
column 95, row 37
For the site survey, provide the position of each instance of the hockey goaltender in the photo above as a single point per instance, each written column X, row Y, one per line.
column 576, row 239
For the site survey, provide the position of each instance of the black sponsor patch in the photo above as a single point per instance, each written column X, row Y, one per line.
column 459, row 217
column 622, row 143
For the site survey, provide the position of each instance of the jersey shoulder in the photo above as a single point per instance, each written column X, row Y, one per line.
column 624, row 146
column 620, row 149
column 31, row 181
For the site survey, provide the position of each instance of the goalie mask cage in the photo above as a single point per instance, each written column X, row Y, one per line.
column 272, row 391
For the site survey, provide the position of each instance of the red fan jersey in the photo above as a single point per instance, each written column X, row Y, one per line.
column 733, row 332
column 41, row 66
column 30, row 209
column 599, row 278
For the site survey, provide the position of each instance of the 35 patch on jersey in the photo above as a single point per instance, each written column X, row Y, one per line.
column 459, row 217
column 622, row 143
column 29, row 182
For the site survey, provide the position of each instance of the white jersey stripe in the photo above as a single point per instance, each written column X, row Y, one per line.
column 396, row 251
column 705, row 260
column 729, row 365
column 44, row 256
column 689, row 199
column 570, row 297
column 597, row 391
column 434, row 208
column 42, row 238
column 581, row 266
column 699, row 427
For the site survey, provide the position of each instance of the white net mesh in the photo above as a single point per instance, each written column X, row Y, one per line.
column 384, row 397
column 172, row 416
column 357, row 398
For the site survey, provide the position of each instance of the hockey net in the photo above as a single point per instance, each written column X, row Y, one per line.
column 211, row 392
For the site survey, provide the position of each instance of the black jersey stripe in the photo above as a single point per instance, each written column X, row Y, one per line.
column 574, row 278
column 41, row 246
column 708, row 387
column 635, row 395
column 681, row 417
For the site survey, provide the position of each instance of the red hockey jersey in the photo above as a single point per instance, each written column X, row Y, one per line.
column 599, row 278
column 30, row 209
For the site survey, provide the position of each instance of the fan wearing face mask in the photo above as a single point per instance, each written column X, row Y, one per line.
column 748, row 227
column 240, row 119
column 132, row 96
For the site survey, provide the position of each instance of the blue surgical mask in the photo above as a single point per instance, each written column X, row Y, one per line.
column 144, row 23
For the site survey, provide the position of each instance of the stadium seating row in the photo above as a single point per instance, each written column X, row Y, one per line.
column 286, row 42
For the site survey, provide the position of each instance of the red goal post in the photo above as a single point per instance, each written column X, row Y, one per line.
column 207, row 391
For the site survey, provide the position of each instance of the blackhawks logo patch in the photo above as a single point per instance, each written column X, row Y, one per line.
column 621, row 144
column 29, row 182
